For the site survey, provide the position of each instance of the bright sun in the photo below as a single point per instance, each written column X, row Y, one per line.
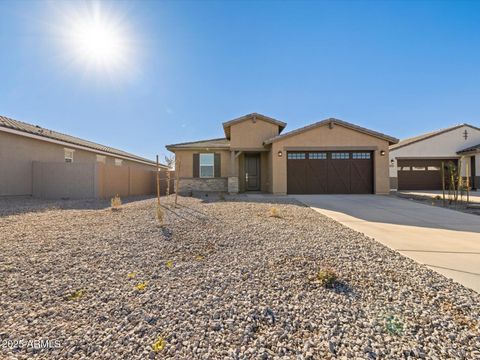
column 98, row 42
column 97, row 38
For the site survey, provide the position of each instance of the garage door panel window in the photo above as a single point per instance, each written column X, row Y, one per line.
column 329, row 172
column 404, row 168
column 361, row 155
column 418, row 168
column 296, row 156
column 340, row 156
column 317, row 156
column 206, row 165
column 433, row 168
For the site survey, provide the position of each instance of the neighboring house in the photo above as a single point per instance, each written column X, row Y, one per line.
column 330, row 156
column 45, row 163
column 416, row 163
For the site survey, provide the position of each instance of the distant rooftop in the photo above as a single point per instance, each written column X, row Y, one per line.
column 26, row 128
column 421, row 137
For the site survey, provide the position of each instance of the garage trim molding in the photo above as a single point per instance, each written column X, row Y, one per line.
column 330, row 148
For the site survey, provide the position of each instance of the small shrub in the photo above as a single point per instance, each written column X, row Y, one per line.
column 76, row 295
column 169, row 264
column 159, row 345
column 116, row 202
column 274, row 212
column 199, row 257
column 438, row 197
column 160, row 215
column 393, row 325
column 327, row 277
column 132, row 275
column 141, row 286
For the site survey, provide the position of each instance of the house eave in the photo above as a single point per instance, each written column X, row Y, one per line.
column 390, row 139
column 76, row 146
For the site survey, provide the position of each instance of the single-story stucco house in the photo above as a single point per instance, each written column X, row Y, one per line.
column 415, row 163
column 328, row 157
column 48, row 164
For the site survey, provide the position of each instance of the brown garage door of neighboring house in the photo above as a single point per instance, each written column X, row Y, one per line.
column 422, row 174
column 330, row 172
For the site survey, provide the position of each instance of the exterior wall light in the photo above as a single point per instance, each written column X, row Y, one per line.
column 382, row 152
column 280, row 154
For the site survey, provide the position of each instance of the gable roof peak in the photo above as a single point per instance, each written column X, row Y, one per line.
column 330, row 121
column 428, row 135
column 254, row 115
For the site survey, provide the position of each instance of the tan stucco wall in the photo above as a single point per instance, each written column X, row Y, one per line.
column 56, row 180
column 264, row 174
column 115, row 180
column 184, row 162
column 17, row 154
column 335, row 138
column 251, row 135
column 241, row 172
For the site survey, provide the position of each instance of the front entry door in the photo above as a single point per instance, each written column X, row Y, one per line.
column 252, row 172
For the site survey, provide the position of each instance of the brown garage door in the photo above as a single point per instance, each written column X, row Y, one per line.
column 422, row 174
column 329, row 172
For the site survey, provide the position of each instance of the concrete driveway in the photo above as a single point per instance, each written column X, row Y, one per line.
column 447, row 241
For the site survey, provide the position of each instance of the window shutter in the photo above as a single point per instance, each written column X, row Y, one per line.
column 196, row 165
column 216, row 165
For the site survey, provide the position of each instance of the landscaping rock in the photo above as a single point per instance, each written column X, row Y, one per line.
column 239, row 284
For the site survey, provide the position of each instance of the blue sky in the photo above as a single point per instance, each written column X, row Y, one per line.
column 401, row 68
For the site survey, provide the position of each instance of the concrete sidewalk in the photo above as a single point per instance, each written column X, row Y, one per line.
column 447, row 241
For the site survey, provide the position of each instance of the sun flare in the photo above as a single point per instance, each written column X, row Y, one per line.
column 97, row 42
column 96, row 38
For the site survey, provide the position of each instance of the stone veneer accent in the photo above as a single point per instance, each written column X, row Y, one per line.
column 187, row 185
column 233, row 184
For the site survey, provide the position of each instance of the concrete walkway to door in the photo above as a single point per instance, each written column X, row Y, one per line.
column 445, row 240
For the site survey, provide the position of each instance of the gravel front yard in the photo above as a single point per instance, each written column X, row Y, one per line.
column 223, row 280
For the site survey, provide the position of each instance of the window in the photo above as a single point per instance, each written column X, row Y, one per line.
column 404, row 168
column 206, row 165
column 418, row 168
column 317, row 156
column 433, row 168
column 118, row 162
column 361, row 155
column 296, row 156
column 68, row 155
column 101, row 158
column 340, row 156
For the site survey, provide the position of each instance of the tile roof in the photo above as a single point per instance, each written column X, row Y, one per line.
column 390, row 139
column 26, row 128
column 428, row 135
column 470, row 148
column 227, row 124
column 220, row 143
